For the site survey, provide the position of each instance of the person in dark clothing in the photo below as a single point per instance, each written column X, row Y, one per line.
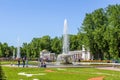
column 24, row 62
column 44, row 65
column 41, row 64
column 79, row 60
column 18, row 62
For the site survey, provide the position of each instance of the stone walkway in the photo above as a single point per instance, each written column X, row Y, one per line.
column 68, row 66
column 109, row 68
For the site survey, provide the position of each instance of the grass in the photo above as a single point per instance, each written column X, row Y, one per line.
column 11, row 73
column 15, row 62
column 59, row 73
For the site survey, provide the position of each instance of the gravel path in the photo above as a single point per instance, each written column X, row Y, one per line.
column 97, row 78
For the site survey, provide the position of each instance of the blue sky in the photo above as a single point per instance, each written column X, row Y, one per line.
column 27, row 19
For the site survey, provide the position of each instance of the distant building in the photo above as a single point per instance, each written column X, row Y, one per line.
column 47, row 56
column 81, row 54
column 74, row 55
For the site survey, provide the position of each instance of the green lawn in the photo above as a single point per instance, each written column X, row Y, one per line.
column 59, row 73
column 15, row 62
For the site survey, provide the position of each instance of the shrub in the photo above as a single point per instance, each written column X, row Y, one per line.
column 2, row 76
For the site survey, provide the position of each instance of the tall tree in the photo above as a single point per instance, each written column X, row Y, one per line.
column 56, row 45
column 5, row 50
column 102, row 29
column 113, row 15
column 1, row 51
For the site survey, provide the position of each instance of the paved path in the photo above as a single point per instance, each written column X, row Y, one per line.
column 52, row 66
column 109, row 68
column 68, row 66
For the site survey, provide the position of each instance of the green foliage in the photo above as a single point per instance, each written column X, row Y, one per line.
column 102, row 32
column 53, row 45
column 75, row 42
column 5, row 50
column 32, row 49
column 2, row 76
column 56, row 45
column 0, row 73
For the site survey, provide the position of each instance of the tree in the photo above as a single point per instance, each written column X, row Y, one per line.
column 56, row 45
column 1, row 51
column 45, row 43
column 113, row 15
column 102, row 29
column 25, row 50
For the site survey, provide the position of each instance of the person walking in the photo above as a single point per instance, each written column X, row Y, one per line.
column 18, row 62
column 23, row 61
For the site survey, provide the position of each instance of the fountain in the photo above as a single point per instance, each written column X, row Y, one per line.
column 65, row 57
column 65, row 38
column 68, row 57
column 13, row 57
column 18, row 51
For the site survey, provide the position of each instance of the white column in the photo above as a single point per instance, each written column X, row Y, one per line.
column 83, row 52
column 88, row 53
